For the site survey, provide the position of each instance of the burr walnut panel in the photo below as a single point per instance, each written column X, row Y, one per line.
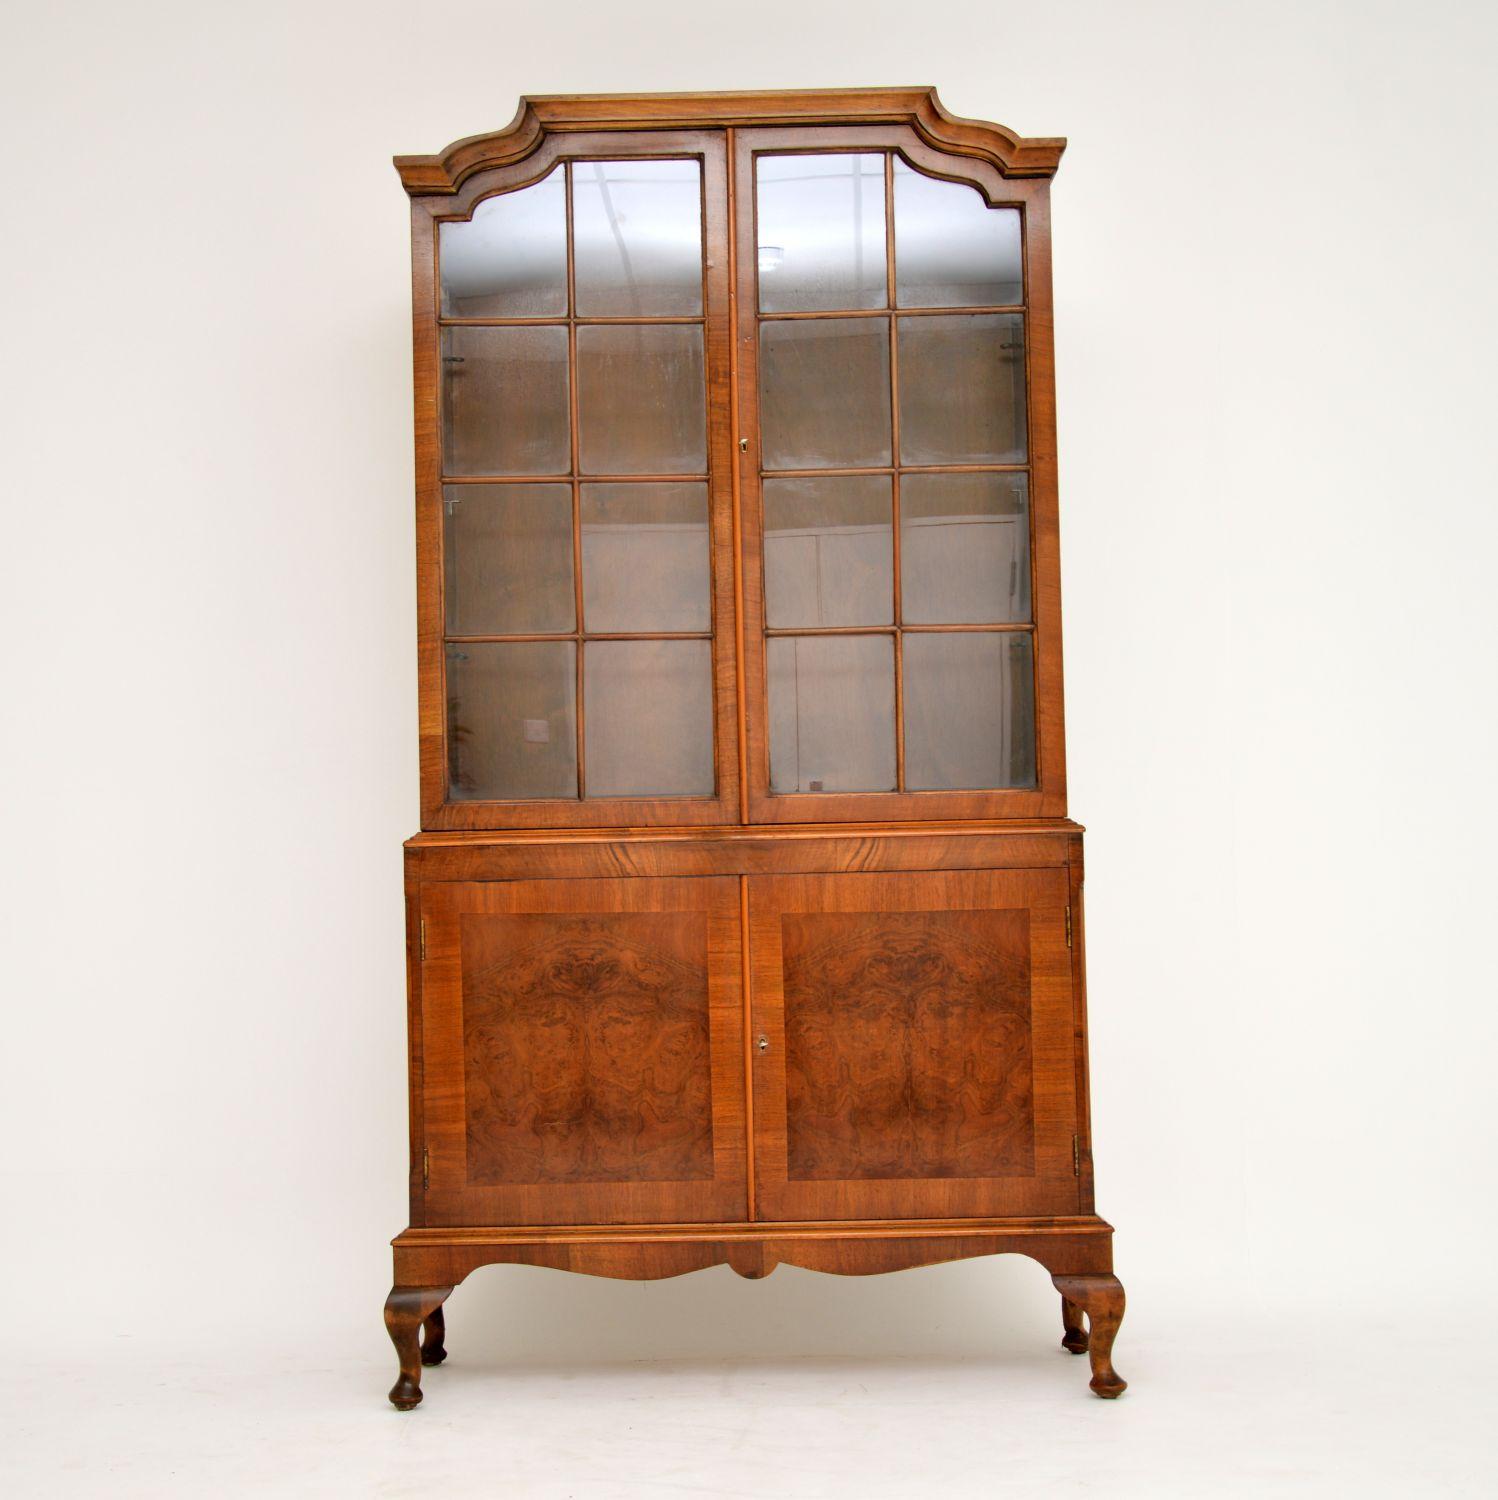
column 582, row 1052
column 908, row 1044
column 586, row 1048
column 915, row 1045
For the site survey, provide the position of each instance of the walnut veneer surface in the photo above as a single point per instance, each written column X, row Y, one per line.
column 652, row 1033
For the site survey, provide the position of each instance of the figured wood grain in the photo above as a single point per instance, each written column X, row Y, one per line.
column 1018, row 1157
column 586, row 1048
column 878, row 945
column 583, row 1057
column 908, row 1045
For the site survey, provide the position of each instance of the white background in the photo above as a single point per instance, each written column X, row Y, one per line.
column 1275, row 292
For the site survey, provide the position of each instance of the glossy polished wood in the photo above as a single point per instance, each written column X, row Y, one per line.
column 679, row 1015
column 1079, row 1244
column 586, row 1048
column 582, row 1051
column 921, row 949
column 1101, row 1297
column 908, row 1046
column 406, row 1309
column 547, row 115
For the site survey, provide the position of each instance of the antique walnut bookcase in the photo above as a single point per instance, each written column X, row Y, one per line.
column 745, row 922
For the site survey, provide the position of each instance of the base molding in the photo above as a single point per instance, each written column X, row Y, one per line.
column 1080, row 1245
column 1077, row 1251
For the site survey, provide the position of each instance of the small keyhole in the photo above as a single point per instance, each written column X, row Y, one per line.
column 763, row 1043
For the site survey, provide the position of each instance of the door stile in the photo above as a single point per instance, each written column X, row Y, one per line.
column 735, row 459
column 751, row 1193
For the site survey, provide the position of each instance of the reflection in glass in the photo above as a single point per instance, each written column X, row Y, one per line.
column 829, row 553
column 512, row 720
column 645, row 557
column 509, row 559
column 832, row 713
column 504, row 401
column 820, row 226
column 642, row 400
column 637, row 238
column 510, row 259
column 648, row 708
column 824, row 393
column 964, row 549
column 969, row 710
column 951, row 248
column 962, row 389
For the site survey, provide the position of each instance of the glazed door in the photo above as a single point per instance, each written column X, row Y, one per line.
column 897, row 478
column 575, row 523
column 914, row 1045
column 582, row 1052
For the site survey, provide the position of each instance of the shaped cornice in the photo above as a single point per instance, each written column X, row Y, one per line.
column 1012, row 155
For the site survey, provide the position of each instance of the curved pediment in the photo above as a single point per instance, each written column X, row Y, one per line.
column 1012, row 155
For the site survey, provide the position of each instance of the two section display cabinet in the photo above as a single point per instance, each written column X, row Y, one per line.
column 745, row 924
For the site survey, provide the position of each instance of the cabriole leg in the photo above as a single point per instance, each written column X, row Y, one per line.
column 1073, row 1328
column 406, row 1309
column 1102, row 1299
column 433, row 1332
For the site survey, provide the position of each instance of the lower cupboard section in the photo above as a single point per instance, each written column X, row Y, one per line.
column 908, row 1051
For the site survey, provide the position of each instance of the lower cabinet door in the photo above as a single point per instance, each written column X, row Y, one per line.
column 914, row 1045
column 582, row 1052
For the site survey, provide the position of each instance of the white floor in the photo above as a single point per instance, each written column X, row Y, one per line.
column 1281, row 1409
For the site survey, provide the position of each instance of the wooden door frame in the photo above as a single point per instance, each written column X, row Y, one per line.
column 439, row 810
column 1031, row 197
column 446, row 1195
column 1056, row 1186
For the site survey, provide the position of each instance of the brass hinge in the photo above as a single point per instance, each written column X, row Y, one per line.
column 1076, row 1156
column 422, row 927
column 1068, row 930
column 426, row 1168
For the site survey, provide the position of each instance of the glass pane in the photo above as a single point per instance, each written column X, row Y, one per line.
column 964, row 548
column 509, row 558
column 820, row 227
column 637, row 238
column 969, row 710
column 510, row 259
column 962, row 389
column 951, row 248
column 829, row 554
column 648, row 711
column 642, row 401
column 512, row 720
column 824, row 393
column 832, row 713
column 504, row 401
column 645, row 557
